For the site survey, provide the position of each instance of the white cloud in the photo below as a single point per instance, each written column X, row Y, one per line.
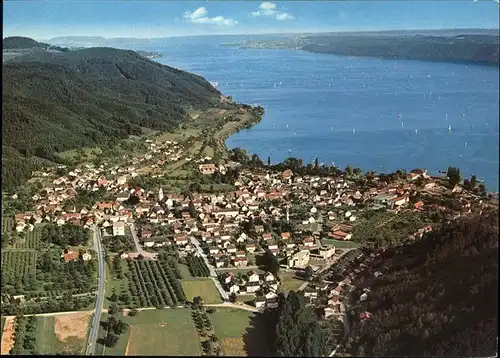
column 284, row 16
column 199, row 16
column 269, row 9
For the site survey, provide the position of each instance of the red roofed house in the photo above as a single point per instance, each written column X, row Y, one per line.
column 70, row 256
column 267, row 236
column 285, row 235
column 419, row 204
column 365, row 315
column 340, row 235
column 400, row 200
column 181, row 239
column 287, row 174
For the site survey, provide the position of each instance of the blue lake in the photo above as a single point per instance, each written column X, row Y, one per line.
column 370, row 113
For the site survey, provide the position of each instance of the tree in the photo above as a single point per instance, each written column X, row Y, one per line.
column 232, row 297
column 270, row 262
column 133, row 312
column 453, row 175
column 197, row 301
column 316, row 163
column 111, row 340
column 113, row 297
column 473, row 181
column 120, row 327
column 113, row 308
column 348, row 170
column 309, row 272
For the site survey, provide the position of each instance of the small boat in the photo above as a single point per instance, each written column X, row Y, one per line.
column 402, row 124
column 416, row 131
column 449, row 128
column 465, row 144
column 353, row 131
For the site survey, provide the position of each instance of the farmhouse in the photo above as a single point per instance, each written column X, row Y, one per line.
column 207, row 168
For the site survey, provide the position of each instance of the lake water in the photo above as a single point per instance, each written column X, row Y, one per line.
column 370, row 113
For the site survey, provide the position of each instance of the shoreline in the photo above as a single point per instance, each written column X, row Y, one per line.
column 222, row 136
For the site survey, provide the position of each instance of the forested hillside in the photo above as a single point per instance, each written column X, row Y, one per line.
column 55, row 101
column 477, row 49
column 439, row 298
column 19, row 42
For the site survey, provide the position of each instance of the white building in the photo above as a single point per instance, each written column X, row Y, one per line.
column 300, row 259
column 119, row 228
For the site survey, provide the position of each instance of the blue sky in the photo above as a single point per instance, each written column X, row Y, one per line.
column 46, row 19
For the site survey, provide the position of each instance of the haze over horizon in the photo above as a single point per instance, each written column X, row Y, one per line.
column 49, row 19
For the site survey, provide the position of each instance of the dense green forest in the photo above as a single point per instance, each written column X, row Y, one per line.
column 439, row 298
column 56, row 101
column 478, row 49
column 295, row 330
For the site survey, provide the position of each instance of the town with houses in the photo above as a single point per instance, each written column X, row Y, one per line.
column 214, row 226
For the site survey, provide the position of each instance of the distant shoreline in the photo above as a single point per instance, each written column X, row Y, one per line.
column 474, row 49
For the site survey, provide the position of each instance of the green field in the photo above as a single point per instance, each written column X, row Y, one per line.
column 341, row 244
column 112, row 282
column 240, row 332
column 203, row 287
column 47, row 341
column 288, row 282
column 45, row 336
column 185, row 274
column 169, row 332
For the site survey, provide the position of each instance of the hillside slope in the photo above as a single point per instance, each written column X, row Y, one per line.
column 439, row 298
column 19, row 42
column 55, row 101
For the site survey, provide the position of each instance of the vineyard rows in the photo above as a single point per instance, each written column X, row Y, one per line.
column 197, row 266
column 7, row 224
column 154, row 283
column 16, row 265
column 32, row 240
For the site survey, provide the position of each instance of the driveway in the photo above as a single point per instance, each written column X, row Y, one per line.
column 138, row 247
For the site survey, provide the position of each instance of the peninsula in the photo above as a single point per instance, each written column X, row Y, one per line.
column 459, row 46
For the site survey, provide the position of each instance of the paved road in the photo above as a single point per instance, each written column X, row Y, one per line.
column 228, row 269
column 138, row 247
column 94, row 329
column 213, row 274
column 233, row 305
column 50, row 314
